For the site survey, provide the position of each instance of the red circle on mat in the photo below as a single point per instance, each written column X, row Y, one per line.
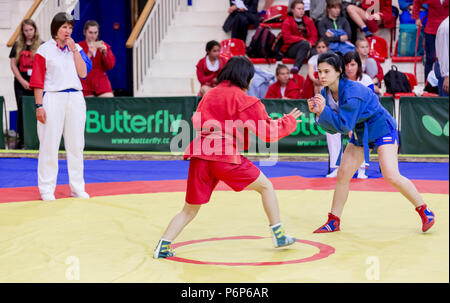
column 324, row 251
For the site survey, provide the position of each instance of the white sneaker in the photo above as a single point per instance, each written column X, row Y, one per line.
column 362, row 174
column 333, row 174
column 48, row 197
column 82, row 195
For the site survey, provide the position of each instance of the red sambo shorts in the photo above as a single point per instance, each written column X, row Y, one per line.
column 96, row 84
column 204, row 176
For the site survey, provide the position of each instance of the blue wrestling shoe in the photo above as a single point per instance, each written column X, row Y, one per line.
column 280, row 239
column 163, row 250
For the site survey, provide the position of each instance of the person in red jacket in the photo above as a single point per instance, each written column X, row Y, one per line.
column 284, row 88
column 209, row 67
column 437, row 12
column 222, row 121
column 299, row 35
column 97, row 83
column 371, row 15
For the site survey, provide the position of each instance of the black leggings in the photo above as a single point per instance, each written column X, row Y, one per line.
column 239, row 29
column 19, row 91
column 298, row 51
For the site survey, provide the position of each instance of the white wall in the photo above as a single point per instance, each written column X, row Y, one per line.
column 11, row 14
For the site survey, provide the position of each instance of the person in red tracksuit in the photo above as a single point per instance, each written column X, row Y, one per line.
column 299, row 35
column 209, row 67
column 284, row 88
column 97, row 83
column 437, row 12
column 222, row 121
column 371, row 15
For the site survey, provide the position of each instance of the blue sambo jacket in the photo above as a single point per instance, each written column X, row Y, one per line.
column 359, row 111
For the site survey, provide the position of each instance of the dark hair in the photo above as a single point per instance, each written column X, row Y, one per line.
column 210, row 45
column 332, row 59
column 334, row 3
column 324, row 40
column 349, row 57
column 90, row 23
column 239, row 70
column 59, row 20
column 280, row 67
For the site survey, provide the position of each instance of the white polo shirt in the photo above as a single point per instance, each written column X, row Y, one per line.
column 54, row 68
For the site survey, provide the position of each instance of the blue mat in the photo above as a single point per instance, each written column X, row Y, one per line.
column 23, row 172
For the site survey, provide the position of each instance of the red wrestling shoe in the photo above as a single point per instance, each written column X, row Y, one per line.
column 332, row 225
column 427, row 217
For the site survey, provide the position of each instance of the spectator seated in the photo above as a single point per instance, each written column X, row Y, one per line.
column 287, row 86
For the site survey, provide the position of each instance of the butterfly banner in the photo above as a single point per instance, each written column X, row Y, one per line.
column 424, row 125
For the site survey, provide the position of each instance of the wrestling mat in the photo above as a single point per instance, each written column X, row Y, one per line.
column 111, row 237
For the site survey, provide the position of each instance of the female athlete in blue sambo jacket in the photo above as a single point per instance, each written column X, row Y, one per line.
column 346, row 106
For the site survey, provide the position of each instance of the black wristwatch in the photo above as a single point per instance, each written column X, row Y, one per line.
column 38, row 105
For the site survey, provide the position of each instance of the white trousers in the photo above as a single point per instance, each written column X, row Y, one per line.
column 334, row 143
column 66, row 116
column 334, row 148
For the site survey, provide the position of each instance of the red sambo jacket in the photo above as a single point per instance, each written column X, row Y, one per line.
column 223, row 119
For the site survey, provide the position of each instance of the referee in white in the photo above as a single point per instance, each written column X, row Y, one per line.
column 60, row 106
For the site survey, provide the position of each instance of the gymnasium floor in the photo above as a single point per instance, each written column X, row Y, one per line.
column 111, row 237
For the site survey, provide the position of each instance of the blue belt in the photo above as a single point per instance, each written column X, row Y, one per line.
column 68, row 90
column 366, row 144
column 65, row 91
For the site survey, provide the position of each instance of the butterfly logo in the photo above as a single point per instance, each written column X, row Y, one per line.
column 434, row 126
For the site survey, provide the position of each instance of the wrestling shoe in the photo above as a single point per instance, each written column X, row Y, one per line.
column 82, row 195
column 361, row 173
column 48, row 197
column 333, row 174
column 163, row 250
column 280, row 239
column 332, row 225
column 427, row 217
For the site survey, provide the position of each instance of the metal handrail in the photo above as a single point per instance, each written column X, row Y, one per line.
column 148, row 37
column 28, row 15
column 42, row 12
column 140, row 23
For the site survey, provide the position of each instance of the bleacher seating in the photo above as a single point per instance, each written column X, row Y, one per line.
column 378, row 48
column 233, row 47
column 273, row 11
column 203, row 22
column 412, row 82
column 397, row 58
column 236, row 47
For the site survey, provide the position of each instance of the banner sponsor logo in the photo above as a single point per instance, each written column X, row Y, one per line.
column 123, row 122
column 434, row 127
